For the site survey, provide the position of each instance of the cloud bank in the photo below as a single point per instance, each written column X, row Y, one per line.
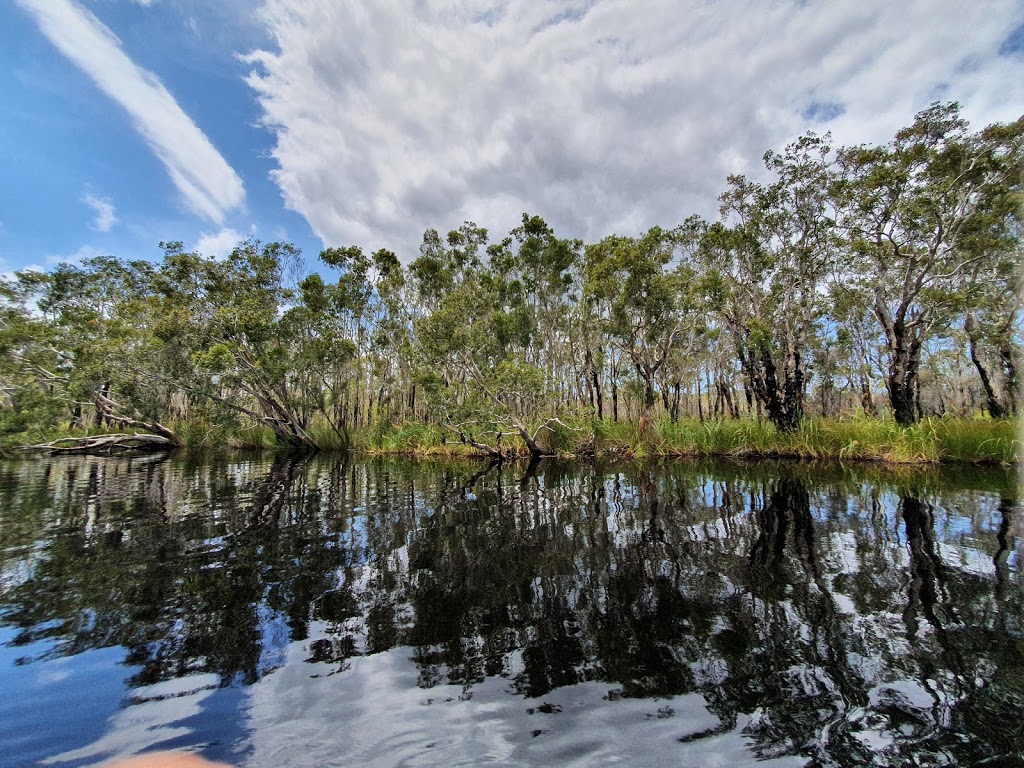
column 207, row 184
column 603, row 116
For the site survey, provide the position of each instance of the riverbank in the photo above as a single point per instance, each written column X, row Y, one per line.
column 931, row 441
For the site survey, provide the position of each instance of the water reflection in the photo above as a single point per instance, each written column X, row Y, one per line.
column 829, row 617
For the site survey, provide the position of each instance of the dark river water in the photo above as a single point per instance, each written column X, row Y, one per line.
column 269, row 612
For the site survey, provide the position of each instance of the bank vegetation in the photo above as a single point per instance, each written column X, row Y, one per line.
column 855, row 302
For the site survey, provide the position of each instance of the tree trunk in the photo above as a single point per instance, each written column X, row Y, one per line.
column 648, row 378
column 901, row 399
column 615, row 394
column 1012, row 386
column 594, row 384
column 530, row 440
column 104, row 392
column 995, row 408
column 784, row 400
column 867, row 403
column 902, row 379
column 107, row 408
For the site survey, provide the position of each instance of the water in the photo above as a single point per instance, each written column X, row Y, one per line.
column 389, row 613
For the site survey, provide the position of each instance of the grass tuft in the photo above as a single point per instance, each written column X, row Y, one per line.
column 857, row 439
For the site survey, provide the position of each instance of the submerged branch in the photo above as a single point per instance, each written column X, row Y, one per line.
column 113, row 443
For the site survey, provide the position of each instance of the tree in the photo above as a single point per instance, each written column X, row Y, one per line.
column 96, row 313
column 919, row 214
column 992, row 291
column 33, row 372
column 229, row 318
column 478, row 344
column 763, row 265
column 634, row 279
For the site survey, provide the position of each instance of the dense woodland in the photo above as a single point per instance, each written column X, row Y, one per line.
column 877, row 280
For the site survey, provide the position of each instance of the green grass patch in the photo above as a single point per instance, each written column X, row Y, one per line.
column 860, row 439
column 931, row 441
column 409, row 439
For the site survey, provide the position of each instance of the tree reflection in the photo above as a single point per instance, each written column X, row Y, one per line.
column 793, row 605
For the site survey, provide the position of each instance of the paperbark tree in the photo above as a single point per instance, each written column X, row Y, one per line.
column 634, row 279
column 227, row 315
column 764, row 263
column 916, row 213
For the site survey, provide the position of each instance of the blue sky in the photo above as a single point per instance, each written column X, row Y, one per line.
column 83, row 177
column 322, row 122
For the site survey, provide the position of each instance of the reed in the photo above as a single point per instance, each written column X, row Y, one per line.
column 853, row 439
column 859, row 439
column 930, row 441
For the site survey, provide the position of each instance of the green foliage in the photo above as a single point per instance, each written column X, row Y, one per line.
column 921, row 216
column 836, row 276
column 565, row 438
column 32, row 417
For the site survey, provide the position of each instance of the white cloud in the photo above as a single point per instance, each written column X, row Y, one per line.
column 209, row 186
column 601, row 116
column 7, row 270
column 77, row 256
column 52, row 261
column 104, row 210
column 218, row 244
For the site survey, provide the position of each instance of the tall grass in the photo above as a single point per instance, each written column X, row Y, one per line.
column 408, row 439
column 861, row 439
column 857, row 439
column 931, row 441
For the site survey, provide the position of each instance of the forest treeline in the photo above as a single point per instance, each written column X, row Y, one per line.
column 880, row 280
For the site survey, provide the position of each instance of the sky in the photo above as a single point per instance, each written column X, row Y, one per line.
column 126, row 123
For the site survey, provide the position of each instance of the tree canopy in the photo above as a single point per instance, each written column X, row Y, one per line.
column 838, row 280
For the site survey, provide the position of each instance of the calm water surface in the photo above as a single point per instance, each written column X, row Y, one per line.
column 278, row 613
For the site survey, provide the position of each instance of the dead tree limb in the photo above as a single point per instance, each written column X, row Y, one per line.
column 104, row 444
column 495, row 452
column 109, row 409
column 531, row 440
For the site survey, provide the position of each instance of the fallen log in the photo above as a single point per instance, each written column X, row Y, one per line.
column 105, row 444
column 108, row 408
column 496, row 452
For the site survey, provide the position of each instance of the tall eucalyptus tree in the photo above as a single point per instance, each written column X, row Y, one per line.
column 634, row 278
column 920, row 213
column 764, row 264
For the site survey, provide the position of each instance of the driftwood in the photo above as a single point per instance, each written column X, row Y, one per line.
column 108, row 408
column 496, row 451
column 108, row 444
column 156, row 437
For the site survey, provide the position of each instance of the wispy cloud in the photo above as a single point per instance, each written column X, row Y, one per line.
column 390, row 117
column 207, row 183
column 104, row 210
